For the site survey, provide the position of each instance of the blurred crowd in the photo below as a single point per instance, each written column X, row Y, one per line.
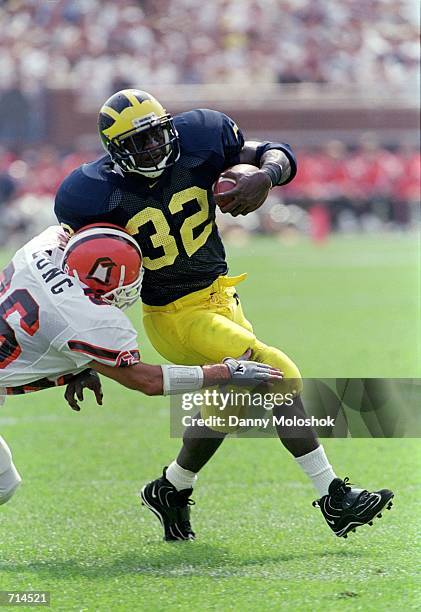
column 101, row 46
column 364, row 187
column 111, row 43
column 367, row 180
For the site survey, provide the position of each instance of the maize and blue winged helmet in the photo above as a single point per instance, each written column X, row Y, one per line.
column 138, row 133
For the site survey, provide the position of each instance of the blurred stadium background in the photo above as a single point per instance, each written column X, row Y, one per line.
column 337, row 81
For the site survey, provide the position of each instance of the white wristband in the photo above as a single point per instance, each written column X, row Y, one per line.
column 178, row 379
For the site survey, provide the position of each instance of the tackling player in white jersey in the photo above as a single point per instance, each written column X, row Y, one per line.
column 61, row 314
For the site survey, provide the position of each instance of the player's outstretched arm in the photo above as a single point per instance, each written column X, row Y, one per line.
column 173, row 379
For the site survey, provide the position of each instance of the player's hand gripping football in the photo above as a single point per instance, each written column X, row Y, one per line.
column 249, row 193
column 251, row 372
column 88, row 379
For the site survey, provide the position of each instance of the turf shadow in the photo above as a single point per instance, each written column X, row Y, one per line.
column 178, row 559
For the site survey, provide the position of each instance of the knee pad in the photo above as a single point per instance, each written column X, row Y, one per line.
column 223, row 424
column 292, row 381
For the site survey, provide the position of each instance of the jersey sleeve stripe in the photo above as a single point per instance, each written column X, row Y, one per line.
column 40, row 385
column 94, row 351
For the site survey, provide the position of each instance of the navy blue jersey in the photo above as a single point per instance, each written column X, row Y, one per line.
column 172, row 218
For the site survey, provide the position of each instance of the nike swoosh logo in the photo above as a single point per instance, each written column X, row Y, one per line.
column 329, row 521
column 152, row 185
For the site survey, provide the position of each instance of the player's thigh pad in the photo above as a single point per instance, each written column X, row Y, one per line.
column 215, row 336
column 166, row 336
column 9, row 476
column 196, row 336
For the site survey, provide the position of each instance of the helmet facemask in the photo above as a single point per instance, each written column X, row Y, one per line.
column 123, row 297
column 129, row 152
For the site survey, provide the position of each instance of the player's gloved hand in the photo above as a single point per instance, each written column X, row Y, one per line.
column 249, row 193
column 88, row 379
column 249, row 372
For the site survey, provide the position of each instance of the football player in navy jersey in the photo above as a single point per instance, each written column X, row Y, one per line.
column 156, row 181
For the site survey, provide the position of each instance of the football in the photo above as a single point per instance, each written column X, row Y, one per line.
column 225, row 183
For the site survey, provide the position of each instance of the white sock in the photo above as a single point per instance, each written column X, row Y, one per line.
column 179, row 477
column 317, row 467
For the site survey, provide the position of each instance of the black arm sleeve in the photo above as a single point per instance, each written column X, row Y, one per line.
column 285, row 148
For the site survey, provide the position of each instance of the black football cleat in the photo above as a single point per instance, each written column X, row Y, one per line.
column 172, row 507
column 346, row 508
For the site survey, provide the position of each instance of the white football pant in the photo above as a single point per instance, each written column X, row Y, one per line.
column 9, row 476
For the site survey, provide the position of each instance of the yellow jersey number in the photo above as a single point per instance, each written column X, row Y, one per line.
column 162, row 237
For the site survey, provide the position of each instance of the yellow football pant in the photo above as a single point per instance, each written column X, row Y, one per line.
column 208, row 325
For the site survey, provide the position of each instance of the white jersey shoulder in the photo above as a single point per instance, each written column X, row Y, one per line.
column 51, row 327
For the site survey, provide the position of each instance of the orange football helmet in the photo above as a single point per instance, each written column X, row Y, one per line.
column 107, row 260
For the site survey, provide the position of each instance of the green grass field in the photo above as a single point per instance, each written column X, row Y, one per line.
column 349, row 308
